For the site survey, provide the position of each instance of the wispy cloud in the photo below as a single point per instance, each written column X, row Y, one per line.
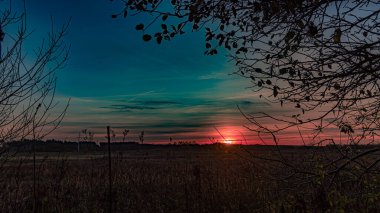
column 129, row 108
column 214, row 75
column 156, row 102
column 160, row 116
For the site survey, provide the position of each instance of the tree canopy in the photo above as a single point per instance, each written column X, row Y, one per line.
column 321, row 57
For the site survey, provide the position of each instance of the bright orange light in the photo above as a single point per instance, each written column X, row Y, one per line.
column 228, row 141
column 228, row 135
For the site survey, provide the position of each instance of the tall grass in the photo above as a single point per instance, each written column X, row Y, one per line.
column 176, row 179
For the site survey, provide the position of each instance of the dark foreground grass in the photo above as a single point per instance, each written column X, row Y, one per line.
column 172, row 179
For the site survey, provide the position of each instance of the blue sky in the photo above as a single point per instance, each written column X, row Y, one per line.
column 114, row 78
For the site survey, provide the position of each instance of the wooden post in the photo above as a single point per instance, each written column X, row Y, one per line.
column 109, row 169
column 34, row 177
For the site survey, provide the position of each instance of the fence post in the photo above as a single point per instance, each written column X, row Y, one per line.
column 34, row 176
column 109, row 169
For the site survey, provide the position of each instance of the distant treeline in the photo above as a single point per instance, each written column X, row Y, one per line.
column 68, row 146
column 85, row 146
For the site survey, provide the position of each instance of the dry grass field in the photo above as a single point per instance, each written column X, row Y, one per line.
column 178, row 179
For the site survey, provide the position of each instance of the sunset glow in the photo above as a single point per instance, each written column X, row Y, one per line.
column 228, row 141
column 155, row 89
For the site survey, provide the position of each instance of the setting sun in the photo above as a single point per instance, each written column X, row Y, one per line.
column 227, row 141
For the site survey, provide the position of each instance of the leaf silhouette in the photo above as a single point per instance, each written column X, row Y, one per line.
column 337, row 35
column 147, row 37
column 139, row 27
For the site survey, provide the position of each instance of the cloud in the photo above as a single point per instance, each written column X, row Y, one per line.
column 181, row 124
column 214, row 75
column 196, row 105
column 191, row 116
column 141, row 105
column 125, row 107
column 154, row 102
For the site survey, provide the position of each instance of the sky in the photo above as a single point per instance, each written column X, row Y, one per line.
column 114, row 78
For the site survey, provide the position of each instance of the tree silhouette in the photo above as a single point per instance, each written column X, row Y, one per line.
column 27, row 80
column 319, row 59
column 125, row 133
column 316, row 56
column 86, row 135
column 141, row 137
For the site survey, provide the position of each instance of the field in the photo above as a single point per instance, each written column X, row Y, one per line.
column 214, row 178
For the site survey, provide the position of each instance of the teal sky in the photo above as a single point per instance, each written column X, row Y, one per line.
column 114, row 78
column 168, row 91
